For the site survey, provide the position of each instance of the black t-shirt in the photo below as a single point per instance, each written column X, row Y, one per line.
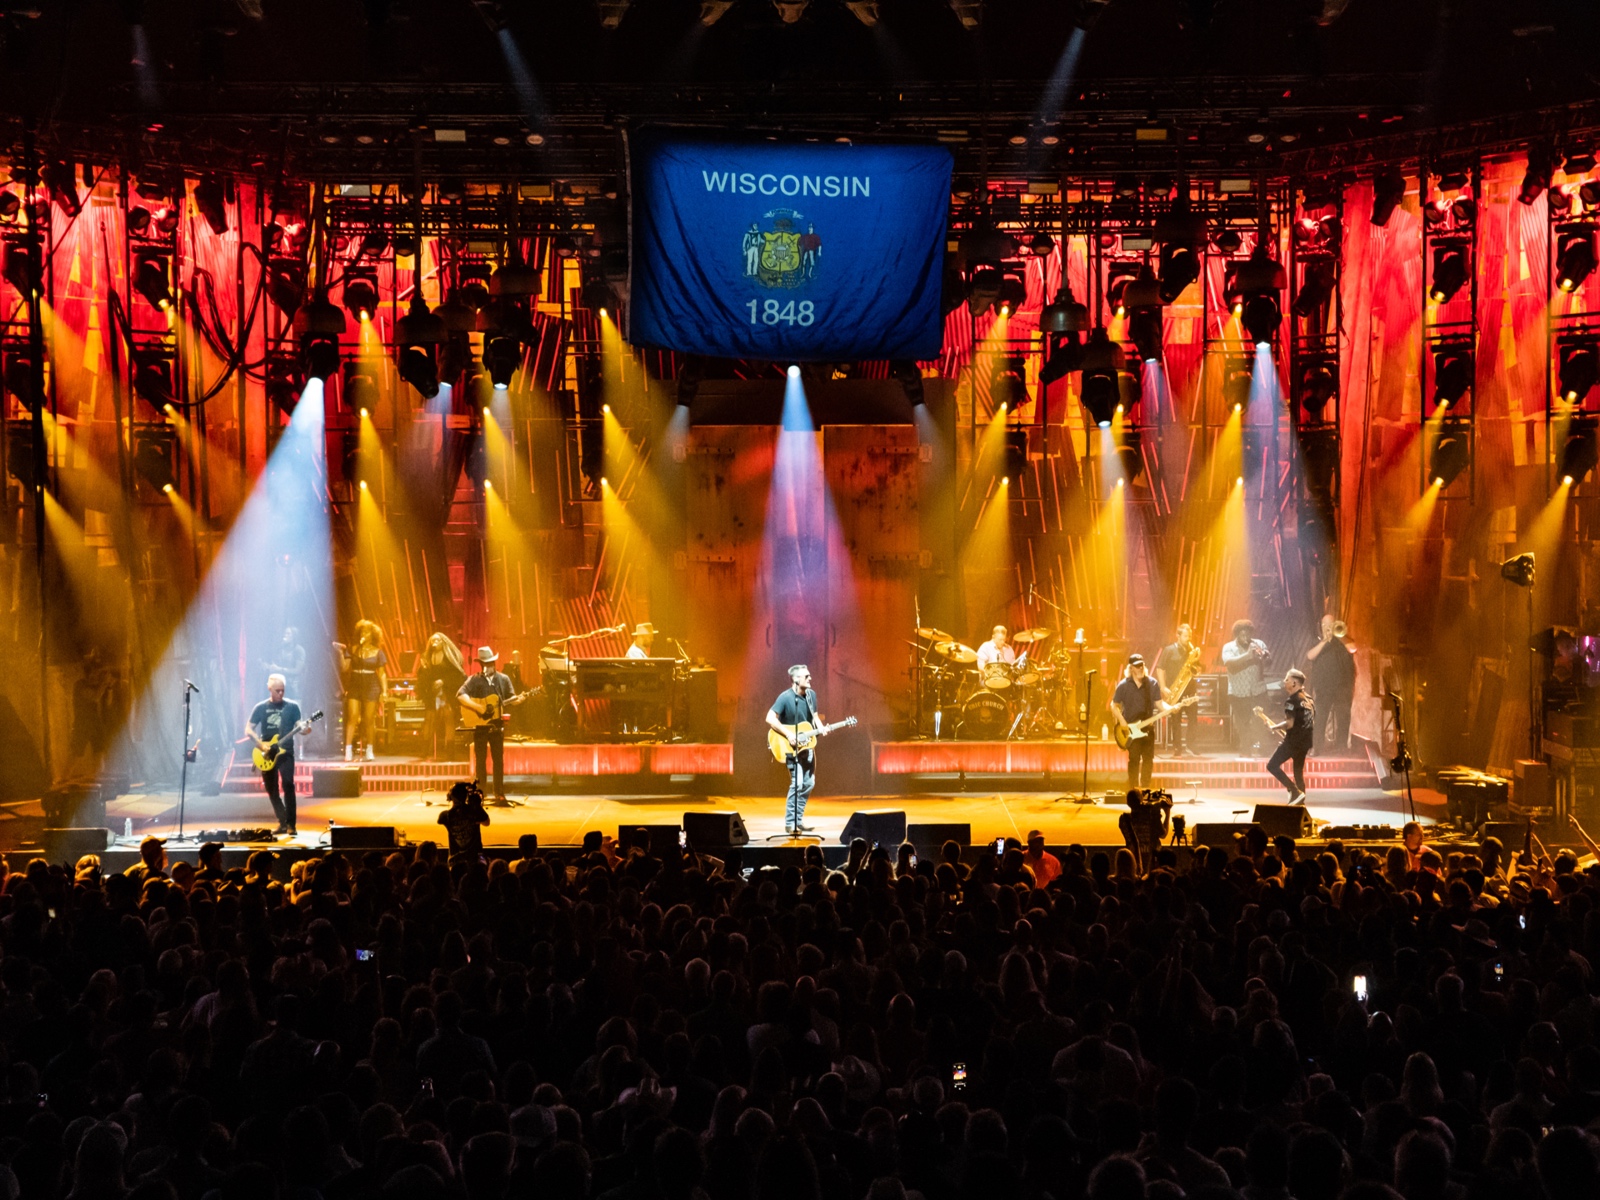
column 1334, row 670
column 1138, row 701
column 1298, row 711
column 446, row 673
column 1171, row 660
column 478, row 686
column 271, row 720
column 463, row 824
column 793, row 709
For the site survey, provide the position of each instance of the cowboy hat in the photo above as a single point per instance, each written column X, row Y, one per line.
column 487, row 655
column 644, row 629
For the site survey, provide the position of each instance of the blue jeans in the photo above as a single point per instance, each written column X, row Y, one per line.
column 802, row 778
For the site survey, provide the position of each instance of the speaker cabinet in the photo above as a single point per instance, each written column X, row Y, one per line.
column 70, row 844
column 1283, row 820
column 929, row 839
column 714, row 830
column 661, row 840
column 877, row 826
column 336, row 783
column 1219, row 835
column 362, row 837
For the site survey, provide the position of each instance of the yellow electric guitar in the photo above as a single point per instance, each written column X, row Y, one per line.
column 265, row 756
column 805, row 737
column 1135, row 730
column 475, row 714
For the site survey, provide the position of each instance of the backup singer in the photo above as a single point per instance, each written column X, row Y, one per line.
column 1168, row 665
column 276, row 717
column 1137, row 697
column 440, row 675
column 489, row 740
column 1244, row 659
column 996, row 650
column 1299, row 731
column 796, row 705
column 365, row 668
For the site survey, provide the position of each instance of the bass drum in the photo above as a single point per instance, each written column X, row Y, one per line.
column 985, row 717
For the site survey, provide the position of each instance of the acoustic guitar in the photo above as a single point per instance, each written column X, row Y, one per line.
column 1135, row 730
column 476, row 714
column 265, row 756
column 805, row 736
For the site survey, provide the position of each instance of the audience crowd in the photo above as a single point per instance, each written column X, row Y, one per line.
column 1271, row 1024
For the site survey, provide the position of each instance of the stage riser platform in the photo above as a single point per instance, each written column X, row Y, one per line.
column 577, row 761
column 1065, row 759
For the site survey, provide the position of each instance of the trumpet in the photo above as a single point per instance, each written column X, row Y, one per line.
column 1340, row 629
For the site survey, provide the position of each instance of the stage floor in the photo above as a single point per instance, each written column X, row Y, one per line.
column 563, row 819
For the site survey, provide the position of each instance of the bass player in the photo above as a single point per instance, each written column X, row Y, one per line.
column 797, row 704
column 1137, row 697
column 489, row 693
column 277, row 718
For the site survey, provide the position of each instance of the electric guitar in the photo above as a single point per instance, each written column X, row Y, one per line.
column 1269, row 722
column 805, row 736
column 265, row 756
column 1135, row 730
column 475, row 714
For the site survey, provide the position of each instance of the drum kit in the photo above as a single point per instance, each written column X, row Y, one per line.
column 1025, row 698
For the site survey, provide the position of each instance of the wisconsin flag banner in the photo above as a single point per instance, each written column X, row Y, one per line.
column 789, row 252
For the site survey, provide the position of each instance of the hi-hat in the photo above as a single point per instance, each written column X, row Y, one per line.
column 935, row 635
column 1028, row 637
column 956, row 652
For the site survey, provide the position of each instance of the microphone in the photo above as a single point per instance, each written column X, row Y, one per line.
column 1030, row 593
column 191, row 687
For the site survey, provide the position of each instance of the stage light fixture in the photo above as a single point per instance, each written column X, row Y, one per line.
column 419, row 327
column 1316, row 381
column 1064, row 314
column 1577, row 368
column 1130, row 458
column 138, row 218
column 1519, row 570
column 1580, row 163
column 1451, row 270
column 1016, row 454
column 1238, row 377
column 1316, row 287
column 1227, row 241
column 1453, row 373
column 712, row 11
column 1145, row 331
column 1388, row 190
column 1452, row 454
column 1008, row 386
column 21, row 267
column 153, row 447
column 360, row 295
column 1013, row 292
column 1103, row 363
column 1041, row 244
column 152, row 376
column 968, row 12
column 20, row 463
column 1180, row 266
column 373, row 244
column 790, row 11
column 361, row 387
column 865, row 11
column 19, row 378
column 599, row 296
column 321, row 355
column 515, row 279
column 908, row 375
column 1580, row 449
column 1575, row 258
column 61, row 181
column 1464, row 213
column 1537, row 177
column 612, row 12
column 150, row 281
column 210, row 197
column 502, row 355
column 1262, row 317
column 284, row 284
column 418, row 368
column 473, row 289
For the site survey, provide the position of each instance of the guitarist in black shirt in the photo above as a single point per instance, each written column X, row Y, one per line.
column 277, row 718
column 489, row 693
column 1299, row 731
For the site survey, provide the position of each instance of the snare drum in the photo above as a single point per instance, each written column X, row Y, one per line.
column 997, row 677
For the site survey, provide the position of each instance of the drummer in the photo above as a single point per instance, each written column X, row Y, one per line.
column 996, row 650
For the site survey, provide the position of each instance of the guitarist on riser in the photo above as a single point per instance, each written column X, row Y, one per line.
column 1137, row 697
column 796, row 705
column 489, row 739
column 278, row 718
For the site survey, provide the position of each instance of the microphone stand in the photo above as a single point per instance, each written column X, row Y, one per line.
column 188, row 757
column 1400, row 764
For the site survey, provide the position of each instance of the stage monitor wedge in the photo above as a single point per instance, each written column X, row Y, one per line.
column 336, row 783
column 362, row 837
column 878, row 826
column 930, row 838
column 1283, row 820
column 720, row 830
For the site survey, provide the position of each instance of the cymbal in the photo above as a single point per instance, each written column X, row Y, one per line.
column 956, row 652
column 934, row 635
column 1027, row 637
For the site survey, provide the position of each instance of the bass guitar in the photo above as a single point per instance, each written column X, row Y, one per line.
column 1269, row 722
column 1135, row 730
column 805, row 736
column 265, row 756
column 475, row 714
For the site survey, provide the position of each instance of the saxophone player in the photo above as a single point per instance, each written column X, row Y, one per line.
column 1175, row 671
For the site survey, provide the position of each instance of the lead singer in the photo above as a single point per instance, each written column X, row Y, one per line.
column 796, row 705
